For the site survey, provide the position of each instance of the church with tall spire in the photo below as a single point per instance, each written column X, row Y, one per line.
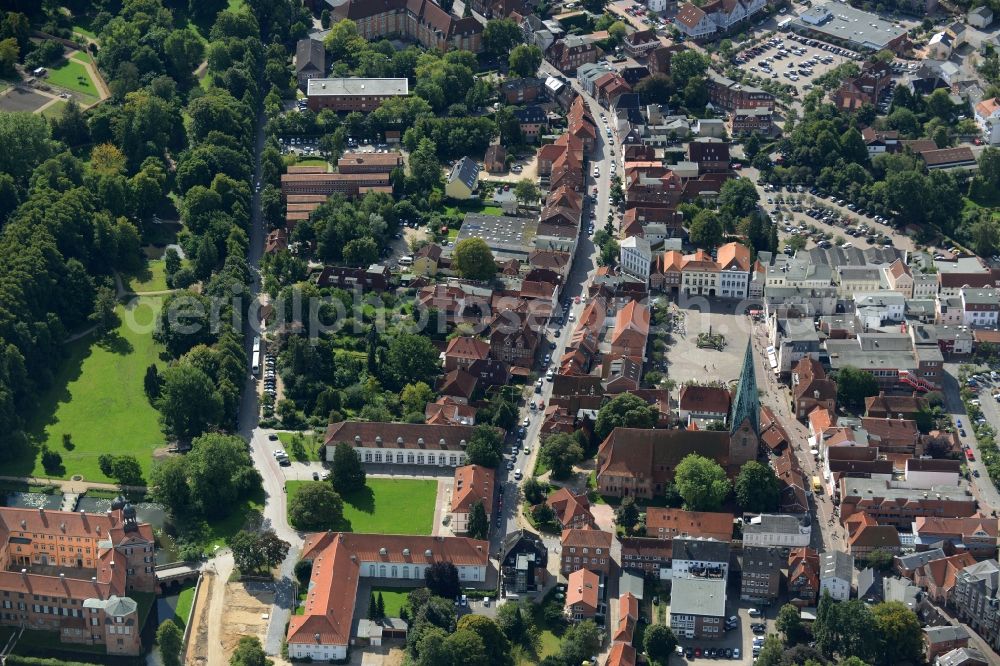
column 744, row 416
column 639, row 462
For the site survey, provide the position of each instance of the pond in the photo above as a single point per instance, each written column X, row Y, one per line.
column 35, row 500
column 146, row 512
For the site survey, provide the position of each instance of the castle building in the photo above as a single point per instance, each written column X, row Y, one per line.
column 73, row 573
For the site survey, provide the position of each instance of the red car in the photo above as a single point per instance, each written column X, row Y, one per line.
column 968, row 455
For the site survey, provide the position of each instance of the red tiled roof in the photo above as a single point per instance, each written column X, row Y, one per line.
column 582, row 587
column 705, row 399
column 473, row 483
column 667, row 523
column 586, row 538
column 467, row 348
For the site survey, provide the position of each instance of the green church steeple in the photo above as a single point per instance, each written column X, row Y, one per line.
column 746, row 404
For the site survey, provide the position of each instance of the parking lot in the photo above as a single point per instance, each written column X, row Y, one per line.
column 792, row 60
column 22, row 99
column 742, row 637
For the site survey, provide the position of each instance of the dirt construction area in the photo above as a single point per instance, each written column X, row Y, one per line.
column 246, row 608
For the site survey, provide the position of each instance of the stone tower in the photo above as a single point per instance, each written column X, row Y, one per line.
column 744, row 417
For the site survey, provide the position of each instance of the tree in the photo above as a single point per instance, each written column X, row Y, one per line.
column 706, row 230
column 617, row 32
column 560, row 452
column 412, row 358
column 361, row 252
column 479, row 523
column 771, row 652
column 757, row 488
column 686, row 65
column 416, row 396
column 9, row 53
column 659, row 643
column 249, row 652
column 789, row 623
column 442, row 579
column 253, row 551
column 315, row 507
column 879, row 559
column 372, row 607
column 380, row 604
column 625, row 410
column 484, row 447
column 738, row 198
column 52, row 462
column 524, row 60
column 580, row 642
column 533, row 490
column 189, row 403
column 526, row 191
column 24, row 143
column 348, row 475
column 543, row 515
column 495, row 643
column 655, row 89
column 170, row 639
column 985, row 234
column 854, row 385
column 900, row 631
column 500, row 36
column 512, row 622
column 124, row 469
column 627, row 514
column 702, row 483
column 474, row 260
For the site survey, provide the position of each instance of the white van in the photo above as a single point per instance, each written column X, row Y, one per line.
column 406, row 260
column 517, row 475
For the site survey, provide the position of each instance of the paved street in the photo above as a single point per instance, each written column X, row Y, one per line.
column 983, row 488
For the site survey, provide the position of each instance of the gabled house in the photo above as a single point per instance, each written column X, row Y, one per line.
column 523, row 560
column 586, row 548
column 582, row 595
column 640, row 43
column 572, row 511
column 463, row 179
column 463, row 351
column 473, row 484
column 310, row 61
column 811, row 388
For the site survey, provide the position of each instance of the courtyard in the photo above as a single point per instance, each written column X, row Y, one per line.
column 686, row 362
column 386, row 506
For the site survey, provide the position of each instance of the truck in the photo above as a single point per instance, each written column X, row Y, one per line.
column 255, row 356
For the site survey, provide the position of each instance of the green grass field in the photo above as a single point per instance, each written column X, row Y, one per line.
column 151, row 278
column 394, row 599
column 185, row 600
column 386, row 506
column 72, row 75
column 312, row 161
column 82, row 56
column 98, row 398
column 54, row 110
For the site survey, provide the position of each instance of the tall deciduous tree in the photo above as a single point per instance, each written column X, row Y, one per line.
column 525, row 59
column 316, row 507
column 854, row 385
column 560, row 452
column 659, row 643
column 702, row 483
column 484, row 447
column 474, row 260
column 249, row 652
column 170, row 638
column 624, row 411
column 188, row 403
column 479, row 522
column 348, row 475
column 442, row 579
column 757, row 488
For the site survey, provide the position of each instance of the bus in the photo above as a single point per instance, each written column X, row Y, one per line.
column 255, row 356
column 817, row 486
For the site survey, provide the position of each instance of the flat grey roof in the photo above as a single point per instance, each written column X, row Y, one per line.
column 698, row 596
column 842, row 22
column 869, row 488
column 505, row 235
column 357, row 87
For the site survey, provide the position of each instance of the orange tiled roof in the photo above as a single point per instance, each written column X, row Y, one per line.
column 473, row 483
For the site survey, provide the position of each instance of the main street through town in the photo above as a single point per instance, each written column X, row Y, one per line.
column 582, row 274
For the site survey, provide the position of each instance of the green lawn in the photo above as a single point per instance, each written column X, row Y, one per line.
column 387, row 506
column 98, row 398
column 82, row 56
column 471, row 206
column 312, row 161
column 221, row 530
column 311, row 445
column 153, row 277
column 54, row 110
column 393, row 597
column 184, row 603
column 72, row 75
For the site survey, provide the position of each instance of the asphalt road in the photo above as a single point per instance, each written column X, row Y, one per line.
column 982, row 487
column 582, row 273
